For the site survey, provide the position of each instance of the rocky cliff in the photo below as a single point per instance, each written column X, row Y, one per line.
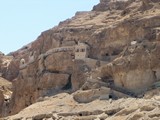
column 107, row 57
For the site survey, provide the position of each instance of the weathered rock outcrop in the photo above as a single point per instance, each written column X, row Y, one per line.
column 91, row 95
column 136, row 69
column 63, row 107
column 6, row 66
column 45, row 76
column 105, row 5
column 5, row 95
column 122, row 39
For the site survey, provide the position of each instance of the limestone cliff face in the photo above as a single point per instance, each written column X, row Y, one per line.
column 105, row 5
column 122, row 39
column 5, row 85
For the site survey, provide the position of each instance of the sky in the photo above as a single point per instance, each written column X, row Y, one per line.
column 22, row 21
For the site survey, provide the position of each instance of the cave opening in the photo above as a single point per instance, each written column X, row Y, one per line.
column 107, row 54
column 110, row 96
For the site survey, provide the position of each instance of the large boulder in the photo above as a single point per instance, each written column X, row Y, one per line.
column 59, row 62
column 53, row 81
column 90, row 95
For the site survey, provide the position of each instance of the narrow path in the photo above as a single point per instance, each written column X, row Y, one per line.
column 113, row 87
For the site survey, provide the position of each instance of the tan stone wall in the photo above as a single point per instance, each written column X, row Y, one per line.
column 81, row 51
column 81, row 55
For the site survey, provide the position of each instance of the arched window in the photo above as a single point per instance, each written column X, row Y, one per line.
column 82, row 50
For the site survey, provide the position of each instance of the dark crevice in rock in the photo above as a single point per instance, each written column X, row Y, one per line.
column 108, row 79
column 113, row 111
column 69, row 84
column 154, row 74
column 55, row 71
column 58, row 72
